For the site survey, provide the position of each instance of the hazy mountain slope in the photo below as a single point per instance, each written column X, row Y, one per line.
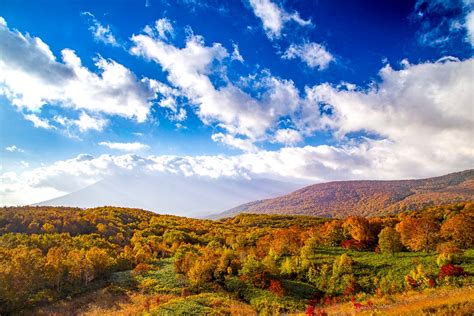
column 174, row 194
column 366, row 198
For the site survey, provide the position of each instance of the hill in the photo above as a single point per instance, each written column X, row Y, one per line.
column 120, row 261
column 366, row 198
column 173, row 194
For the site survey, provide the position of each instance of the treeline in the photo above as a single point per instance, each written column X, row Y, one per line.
column 48, row 253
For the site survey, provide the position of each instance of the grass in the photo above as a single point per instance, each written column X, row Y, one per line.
column 203, row 304
column 163, row 280
column 447, row 301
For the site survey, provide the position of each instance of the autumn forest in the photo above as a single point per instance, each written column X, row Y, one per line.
column 112, row 260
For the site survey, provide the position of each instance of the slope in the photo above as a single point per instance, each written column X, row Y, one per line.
column 366, row 198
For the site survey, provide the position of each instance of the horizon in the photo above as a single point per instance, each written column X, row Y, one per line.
column 289, row 91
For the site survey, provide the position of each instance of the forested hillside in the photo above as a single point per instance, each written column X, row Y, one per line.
column 109, row 260
column 366, row 198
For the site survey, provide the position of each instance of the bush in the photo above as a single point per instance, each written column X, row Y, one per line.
column 450, row 270
column 342, row 265
column 142, row 268
column 276, row 288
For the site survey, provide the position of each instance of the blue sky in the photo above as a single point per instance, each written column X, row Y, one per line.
column 315, row 90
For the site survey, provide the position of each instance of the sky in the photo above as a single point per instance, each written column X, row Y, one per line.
column 292, row 90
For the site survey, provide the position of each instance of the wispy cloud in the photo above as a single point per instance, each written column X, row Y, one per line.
column 13, row 149
column 39, row 122
column 312, row 54
column 274, row 17
column 102, row 33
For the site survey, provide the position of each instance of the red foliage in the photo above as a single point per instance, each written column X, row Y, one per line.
column 276, row 288
column 327, row 301
column 321, row 312
column 411, row 282
column 431, row 283
column 358, row 306
column 449, row 269
column 350, row 288
column 353, row 244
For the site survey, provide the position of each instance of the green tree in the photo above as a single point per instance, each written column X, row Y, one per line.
column 389, row 241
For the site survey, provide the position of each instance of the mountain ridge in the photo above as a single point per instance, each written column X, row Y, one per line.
column 365, row 197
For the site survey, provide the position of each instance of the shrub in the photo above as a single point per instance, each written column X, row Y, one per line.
column 342, row 265
column 450, row 270
column 142, row 268
column 276, row 288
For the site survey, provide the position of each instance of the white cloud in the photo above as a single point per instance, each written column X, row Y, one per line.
column 164, row 28
column 236, row 54
column 39, row 122
column 370, row 159
column 442, row 21
column 288, row 136
column 228, row 106
column 30, row 77
column 424, row 111
column 125, row 146
column 102, row 33
column 274, row 17
column 13, row 149
column 469, row 25
column 24, row 164
column 84, row 123
column 313, row 54
column 236, row 142
column 178, row 116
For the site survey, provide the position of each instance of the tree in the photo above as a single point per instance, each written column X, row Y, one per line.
column 459, row 229
column 389, row 241
column 254, row 271
column 418, row 234
column 333, row 233
column 201, row 272
column 359, row 229
column 342, row 265
column 56, row 266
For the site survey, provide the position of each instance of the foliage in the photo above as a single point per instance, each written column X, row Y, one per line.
column 389, row 241
column 265, row 264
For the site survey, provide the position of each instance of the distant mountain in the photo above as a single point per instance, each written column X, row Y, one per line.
column 173, row 194
column 366, row 198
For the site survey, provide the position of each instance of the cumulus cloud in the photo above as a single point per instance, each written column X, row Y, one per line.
column 274, row 17
column 469, row 25
column 13, row 149
column 238, row 113
column 369, row 159
column 313, row 54
column 236, row 142
column 30, row 77
column 425, row 111
column 288, row 136
column 102, row 33
column 125, row 146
